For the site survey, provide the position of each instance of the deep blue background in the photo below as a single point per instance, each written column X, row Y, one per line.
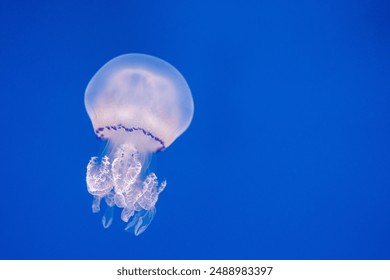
column 287, row 157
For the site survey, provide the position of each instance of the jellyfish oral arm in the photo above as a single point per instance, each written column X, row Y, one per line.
column 118, row 179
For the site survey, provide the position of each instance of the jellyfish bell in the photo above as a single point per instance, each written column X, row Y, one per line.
column 141, row 94
column 140, row 104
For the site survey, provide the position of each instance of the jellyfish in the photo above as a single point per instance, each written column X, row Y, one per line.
column 139, row 104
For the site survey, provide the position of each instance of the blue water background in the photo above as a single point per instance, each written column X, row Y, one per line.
column 287, row 157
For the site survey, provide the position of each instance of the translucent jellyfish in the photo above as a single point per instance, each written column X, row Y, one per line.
column 140, row 104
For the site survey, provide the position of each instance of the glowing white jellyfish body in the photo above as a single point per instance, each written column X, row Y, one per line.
column 140, row 104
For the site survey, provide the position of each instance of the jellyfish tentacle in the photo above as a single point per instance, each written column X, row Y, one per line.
column 109, row 198
column 99, row 181
column 96, row 204
column 140, row 221
column 127, row 213
column 120, row 200
column 108, row 217
column 144, row 221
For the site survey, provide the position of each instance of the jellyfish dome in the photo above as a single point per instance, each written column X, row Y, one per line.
column 140, row 104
